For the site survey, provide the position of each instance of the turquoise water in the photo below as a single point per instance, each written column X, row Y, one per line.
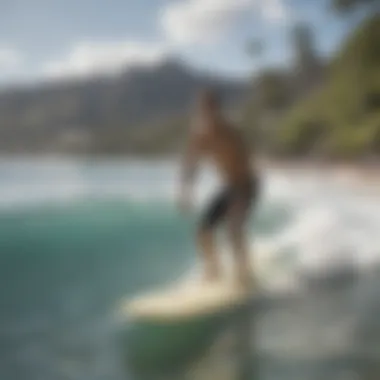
column 68, row 259
column 78, row 237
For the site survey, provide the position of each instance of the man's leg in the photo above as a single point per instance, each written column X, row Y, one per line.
column 239, row 244
column 238, row 217
column 206, row 236
column 211, row 265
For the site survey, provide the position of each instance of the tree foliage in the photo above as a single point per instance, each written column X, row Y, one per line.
column 342, row 118
column 345, row 6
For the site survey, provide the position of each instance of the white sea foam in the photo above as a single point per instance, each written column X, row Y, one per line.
column 331, row 226
column 330, row 222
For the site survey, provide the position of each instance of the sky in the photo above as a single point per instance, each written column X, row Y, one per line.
column 53, row 39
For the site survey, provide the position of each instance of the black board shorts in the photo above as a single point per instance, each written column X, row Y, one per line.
column 222, row 202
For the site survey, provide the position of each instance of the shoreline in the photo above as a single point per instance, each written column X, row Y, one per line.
column 349, row 173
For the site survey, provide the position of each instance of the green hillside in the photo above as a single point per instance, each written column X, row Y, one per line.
column 341, row 118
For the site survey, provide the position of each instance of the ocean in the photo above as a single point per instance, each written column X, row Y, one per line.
column 78, row 236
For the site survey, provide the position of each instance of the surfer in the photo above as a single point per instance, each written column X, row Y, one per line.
column 212, row 137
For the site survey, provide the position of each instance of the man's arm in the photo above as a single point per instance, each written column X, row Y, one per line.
column 189, row 166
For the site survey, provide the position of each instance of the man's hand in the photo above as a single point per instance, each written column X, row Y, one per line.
column 184, row 202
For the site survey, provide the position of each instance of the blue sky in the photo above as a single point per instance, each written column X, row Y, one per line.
column 42, row 39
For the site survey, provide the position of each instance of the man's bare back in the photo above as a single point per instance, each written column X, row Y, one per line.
column 214, row 139
column 229, row 155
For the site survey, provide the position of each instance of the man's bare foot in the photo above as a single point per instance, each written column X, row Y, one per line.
column 247, row 281
column 211, row 277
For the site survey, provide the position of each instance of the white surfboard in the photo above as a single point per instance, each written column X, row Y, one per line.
column 186, row 301
column 191, row 298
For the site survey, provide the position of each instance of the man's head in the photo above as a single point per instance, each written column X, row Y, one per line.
column 209, row 100
column 207, row 114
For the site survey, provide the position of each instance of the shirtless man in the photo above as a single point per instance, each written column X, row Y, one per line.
column 214, row 139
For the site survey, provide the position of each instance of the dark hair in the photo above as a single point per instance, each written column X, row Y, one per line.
column 209, row 97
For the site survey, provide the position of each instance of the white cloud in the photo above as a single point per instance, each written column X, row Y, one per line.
column 89, row 58
column 202, row 21
column 275, row 10
column 184, row 22
column 9, row 58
